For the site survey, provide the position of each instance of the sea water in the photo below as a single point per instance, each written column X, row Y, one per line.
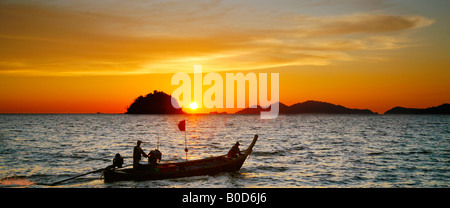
column 292, row 150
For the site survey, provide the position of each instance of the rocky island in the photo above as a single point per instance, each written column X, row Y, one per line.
column 157, row 102
column 309, row 107
column 442, row 109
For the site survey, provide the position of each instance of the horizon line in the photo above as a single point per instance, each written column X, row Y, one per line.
column 221, row 112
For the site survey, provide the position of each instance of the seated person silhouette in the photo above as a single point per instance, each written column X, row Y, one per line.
column 117, row 162
column 234, row 151
column 154, row 157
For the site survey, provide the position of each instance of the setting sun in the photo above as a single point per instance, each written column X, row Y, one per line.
column 193, row 106
column 356, row 54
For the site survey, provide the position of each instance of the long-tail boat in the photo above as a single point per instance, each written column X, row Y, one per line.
column 207, row 166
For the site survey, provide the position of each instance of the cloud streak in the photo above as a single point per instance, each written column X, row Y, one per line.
column 366, row 24
column 166, row 37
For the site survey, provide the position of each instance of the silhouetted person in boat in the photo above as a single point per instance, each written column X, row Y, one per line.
column 154, row 157
column 234, row 151
column 137, row 152
column 117, row 162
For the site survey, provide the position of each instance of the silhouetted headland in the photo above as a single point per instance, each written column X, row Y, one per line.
column 324, row 108
column 309, row 107
column 442, row 109
column 157, row 102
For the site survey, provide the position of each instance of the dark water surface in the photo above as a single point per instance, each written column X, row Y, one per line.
column 292, row 151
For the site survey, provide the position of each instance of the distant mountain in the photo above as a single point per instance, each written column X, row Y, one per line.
column 153, row 103
column 311, row 107
column 442, row 109
column 402, row 110
column 308, row 107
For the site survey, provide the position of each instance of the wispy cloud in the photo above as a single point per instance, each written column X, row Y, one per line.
column 366, row 24
column 81, row 38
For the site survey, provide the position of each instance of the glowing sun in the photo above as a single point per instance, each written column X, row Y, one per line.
column 193, row 106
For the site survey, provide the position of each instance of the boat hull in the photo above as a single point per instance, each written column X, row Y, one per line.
column 208, row 166
column 175, row 170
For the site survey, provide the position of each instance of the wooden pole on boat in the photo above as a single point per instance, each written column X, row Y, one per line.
column 182, row 127
column 157, row 145
column 185, row 146
column 95, row 171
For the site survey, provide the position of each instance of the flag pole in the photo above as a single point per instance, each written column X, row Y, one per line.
column 157, row 146
column 182, row 127
column 185, row 145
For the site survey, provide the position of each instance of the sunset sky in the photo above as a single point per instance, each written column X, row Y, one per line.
column 77, row 56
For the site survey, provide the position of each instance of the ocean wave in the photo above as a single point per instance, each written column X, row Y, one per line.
column 271, row 168
column 269, row 153
column 292, row 156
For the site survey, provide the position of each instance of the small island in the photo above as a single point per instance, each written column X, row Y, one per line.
column 442, row 109
column 308, row 107
column 157, row 102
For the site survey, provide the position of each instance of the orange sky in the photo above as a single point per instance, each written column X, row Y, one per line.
column 87, row 57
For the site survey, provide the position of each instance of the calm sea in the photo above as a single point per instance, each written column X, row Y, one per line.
column 292, row 151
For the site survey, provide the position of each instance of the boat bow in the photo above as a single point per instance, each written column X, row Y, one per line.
column 250, row 148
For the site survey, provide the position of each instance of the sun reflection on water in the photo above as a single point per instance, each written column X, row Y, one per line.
column 16, row 181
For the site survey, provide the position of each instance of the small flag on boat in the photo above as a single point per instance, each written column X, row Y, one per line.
column 182, row 125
